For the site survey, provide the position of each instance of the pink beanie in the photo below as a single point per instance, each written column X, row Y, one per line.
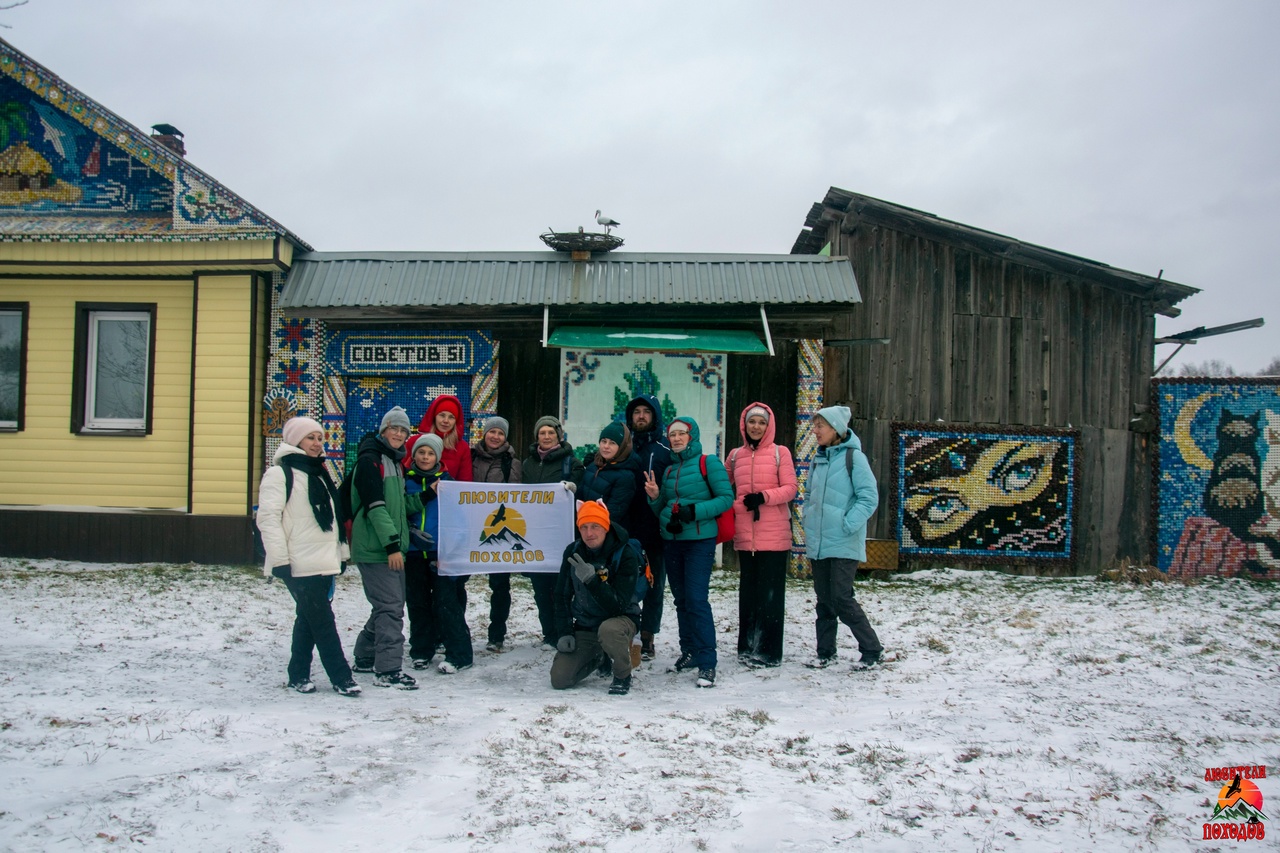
column 296, row 429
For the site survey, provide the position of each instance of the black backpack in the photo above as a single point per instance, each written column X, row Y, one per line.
column 259, row 547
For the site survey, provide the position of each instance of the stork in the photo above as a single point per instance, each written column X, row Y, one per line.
column 606, row 222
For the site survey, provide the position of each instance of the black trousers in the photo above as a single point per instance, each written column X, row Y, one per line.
column 499, row 606
column 419, row 601
column 762, row 598
column 654, row 599
column 314, row 628
column 451, row 618
column 544, row 590
column 833, row 585
column 422, row 601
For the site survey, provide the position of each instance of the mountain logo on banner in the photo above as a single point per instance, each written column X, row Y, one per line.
column 504, row 526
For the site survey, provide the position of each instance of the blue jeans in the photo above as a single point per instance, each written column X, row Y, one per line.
column 689, row 563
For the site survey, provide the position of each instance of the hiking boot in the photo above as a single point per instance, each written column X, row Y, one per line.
column 362, row 665
column 620, row 686
column 495, row 646
column 868, row 661
column 304, row 686
column 707, row 677
column 421, row 663
column 820, row 661
column 685, row 661
column 347, row 688
column 605, row 667
column 396, row 679
column 647, row 651
column 447, row 668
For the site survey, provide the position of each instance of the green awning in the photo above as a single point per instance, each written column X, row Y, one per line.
column 702, row 340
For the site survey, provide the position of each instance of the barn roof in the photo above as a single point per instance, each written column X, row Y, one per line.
column 853, row 208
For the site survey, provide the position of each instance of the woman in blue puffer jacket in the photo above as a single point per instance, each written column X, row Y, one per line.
column 687, row 504
column 840, row 497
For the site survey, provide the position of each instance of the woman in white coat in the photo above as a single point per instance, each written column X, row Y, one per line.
column 306, row 547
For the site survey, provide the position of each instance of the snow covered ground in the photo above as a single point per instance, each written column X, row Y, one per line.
column 142, row 706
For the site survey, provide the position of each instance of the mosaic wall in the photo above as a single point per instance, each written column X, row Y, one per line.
column 984, row 495
column 1217, row 477
column 85, row 172
column 596, row 385
column 347, row 379
column 51, row 163
column 808, row 401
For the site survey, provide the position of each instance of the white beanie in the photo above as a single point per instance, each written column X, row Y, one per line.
column 296, row 429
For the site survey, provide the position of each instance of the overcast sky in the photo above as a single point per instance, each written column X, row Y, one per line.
column 1142, row 135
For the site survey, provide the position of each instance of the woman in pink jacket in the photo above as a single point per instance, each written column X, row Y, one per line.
column 764, row 484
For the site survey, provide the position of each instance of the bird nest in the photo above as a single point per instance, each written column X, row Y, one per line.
column 580, row 241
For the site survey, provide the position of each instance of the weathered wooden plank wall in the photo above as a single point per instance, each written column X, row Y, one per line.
column 977, row 339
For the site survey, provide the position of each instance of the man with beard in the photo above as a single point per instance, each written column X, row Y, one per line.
column 644, row 416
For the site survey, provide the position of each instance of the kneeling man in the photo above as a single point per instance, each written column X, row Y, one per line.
column 595, row 614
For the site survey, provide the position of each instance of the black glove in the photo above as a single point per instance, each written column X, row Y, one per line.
column 674, row 526
column 753, row 502
column 282, row 572
column 568, row 644
column 686, row 512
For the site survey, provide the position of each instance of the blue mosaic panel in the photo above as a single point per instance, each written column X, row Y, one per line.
column 369, row 398
column 984, row 495
column 53, row 164
column 1217, row 488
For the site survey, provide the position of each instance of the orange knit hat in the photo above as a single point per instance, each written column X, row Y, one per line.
column 593, row 511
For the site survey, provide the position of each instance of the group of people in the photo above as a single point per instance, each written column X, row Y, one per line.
column 649, row 504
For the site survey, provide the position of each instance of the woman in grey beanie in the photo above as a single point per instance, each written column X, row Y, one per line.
column 493, row 460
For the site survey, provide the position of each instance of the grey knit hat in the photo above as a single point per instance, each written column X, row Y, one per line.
column 551, row 421
column 396, row 417
column 434, row 441
column 496, row 422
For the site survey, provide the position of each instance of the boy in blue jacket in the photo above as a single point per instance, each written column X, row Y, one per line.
column 840, row 497
column 437, row 604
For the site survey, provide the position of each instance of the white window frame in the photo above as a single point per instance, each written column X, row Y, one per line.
column 91, row 372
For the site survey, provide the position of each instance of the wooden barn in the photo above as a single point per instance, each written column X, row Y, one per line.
column 1002, row 389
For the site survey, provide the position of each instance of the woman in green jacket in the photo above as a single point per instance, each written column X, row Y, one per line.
column 687, row 502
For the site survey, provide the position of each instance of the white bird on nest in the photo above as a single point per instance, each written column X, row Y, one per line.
column 606, row 222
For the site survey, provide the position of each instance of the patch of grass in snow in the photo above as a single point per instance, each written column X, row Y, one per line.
column 1024, row 618
column 934, row 644
column 1084, row 657
column 760, row 718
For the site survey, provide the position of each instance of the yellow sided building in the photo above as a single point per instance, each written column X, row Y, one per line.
column 135, row 295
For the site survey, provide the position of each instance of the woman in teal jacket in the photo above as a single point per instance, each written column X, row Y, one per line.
column 840, row 497
column 687, row 503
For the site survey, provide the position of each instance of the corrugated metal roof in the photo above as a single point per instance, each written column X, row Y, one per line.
column 456, row 279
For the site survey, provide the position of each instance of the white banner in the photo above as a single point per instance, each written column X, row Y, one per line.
column 487, row 529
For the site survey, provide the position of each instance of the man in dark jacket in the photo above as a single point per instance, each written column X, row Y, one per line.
column 644, row 416
column 595, row 615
